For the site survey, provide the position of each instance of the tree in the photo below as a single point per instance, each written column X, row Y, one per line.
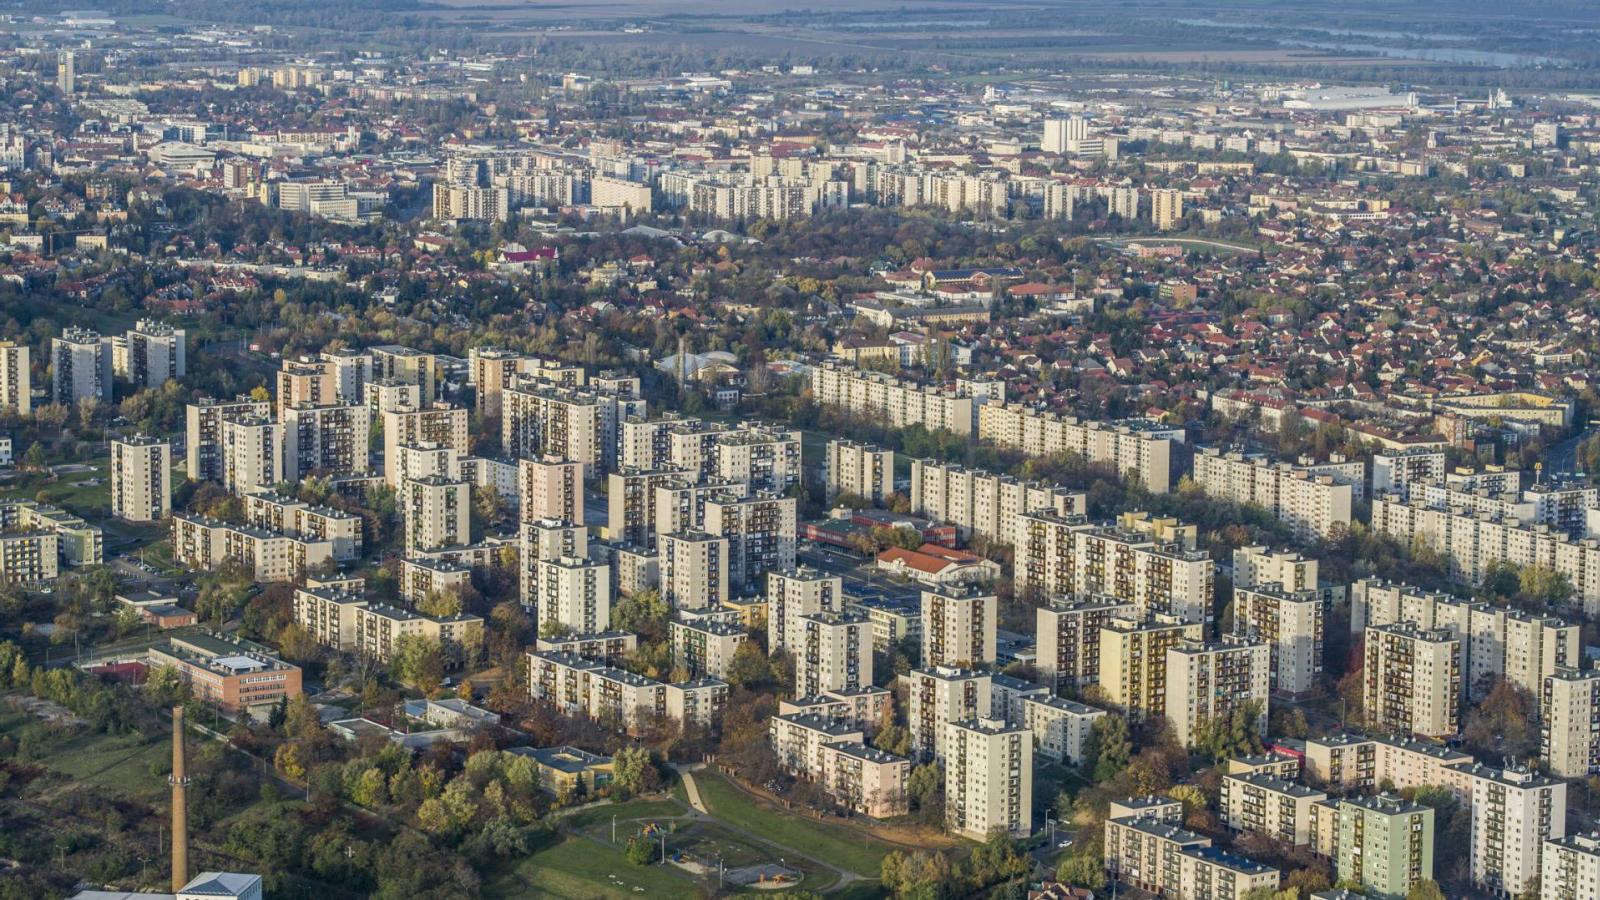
column 633, row 771
column 440, row 604
column 1109, row 748
column 641, row 851
column 749, row 668
column 644, row 614
column 418, row 661
column 1425, row 890
column 1082, row 870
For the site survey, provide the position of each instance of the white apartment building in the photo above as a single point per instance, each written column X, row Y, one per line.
column 1395, row 472
column 203, row 434
column 988, row 779
column 694, row 569
column 16, row 380
column 550, row 489
column 861, row 470
column 761, row 531
column 1314, row 506
column 1271, row 806
column 983, row 505
column 141, row 478
column 545, row 540
column 295, row 518
column 834, row 653
column 706, row 647
column 1291, row 625
column 937, row 697
column 1514, row 812
column 436, row 426
column 330, row 439
column 959, row 627
column 893, row 402
column 1140, row 450
column 1133, row 661
column 202, row 543
column 1208, row 682
column 436, row 512
column 1569, row 867
column 1412, row 680
column 794, row 593
column 1065, row 556
column 574, row 593
column 251, row 451
column 1068, row 634
column 1569, row 723
column 80, row 367
column 1060, row 726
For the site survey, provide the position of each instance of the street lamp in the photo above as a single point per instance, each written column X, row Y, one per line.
column 1050, row 824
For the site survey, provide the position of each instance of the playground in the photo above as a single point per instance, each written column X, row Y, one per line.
column 708, row 850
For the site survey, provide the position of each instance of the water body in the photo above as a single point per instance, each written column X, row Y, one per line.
column 1459, row 55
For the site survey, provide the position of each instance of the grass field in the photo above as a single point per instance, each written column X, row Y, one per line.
column 842, row 847
column 576, row 868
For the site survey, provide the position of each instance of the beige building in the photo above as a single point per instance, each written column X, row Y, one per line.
column 959, row 627
column 141, row 478
column 937, row 697
column 1208, row 682
column 550, row 489
column 866, row 779
column 1569, row 723
column 833, row 653
column 988, row 779
column 574, row 593
column 793, row 593
column 329, row 614
column 706, row 647
column 28, row 557
column 422, row 577
column 435, row 425
column 1268, row 805
column 436, row 512
column 298, row 519
column 1346, row 763
column 1133, row 661
column 539, row 420
column 764, row 458
column 545, row 540
column 1291, row 625
column 762, row 534
column 1412, row 680
column 861, row 470
column 1166, row 209
column 1140, row 450
column 1132, row 562
column 491, row 370
column 203, row 434
column 203, row 543
column 379, row 629
column 1068, row 633
column 801, row 740
column 251, row 450
column 328, row 439
column 631, row 503
column 577, row 686
column 1314, row 506
column 16, row 379
column 1060, row 727
column 893, row 402
column 694, row 569
column 984, row 505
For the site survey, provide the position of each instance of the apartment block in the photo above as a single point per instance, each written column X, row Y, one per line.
column 436, row 512
column 1314, row 506
column 80, row 368
column 379, row 629
column 1514, row 812
column 329, row 615
column 421, row 577
column 305, row 382
column 1206, row 683
column 631, row 503
column 766, row 459
column 149, row 354
column 298, row 519
column 406, row 364
column 1068, row 633
column 204, row 543
column 983, row 505
column 432, row 426
column 866, row 779
column 203, row 435
column 801, row 741
column 251, row 451
column 938, row 697
column 761, row 532
column 959, row 627
column 1384, row 844
column 544, row 540
column 894, row 402
column 491, row 370
column 1268, row 805
column 680, row 503
column 577, row 686
column 1291, row 625
column 76, row 542
column 575, row 594
column 607, row 646
column 857, row 469
column 1569, row 867
column 1395, row 472
column 1133, row 661
column 1135, row 561
column 1569, row 723
column 235, row 675
column 694, row 569
column 793, row 593
column 28, row 557
column 988, row 779
column 1060, row 727
column 550, row 489
column 707, row 648
column 1473, row 542
column 1351, row 763
column 1412, row 680
column 16, row 379
column 324, row 440
column 833, row 653
column 1139, row 450
column 543, row 421
column 141, row 478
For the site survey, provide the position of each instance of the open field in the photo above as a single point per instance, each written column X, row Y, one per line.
column 840, row 846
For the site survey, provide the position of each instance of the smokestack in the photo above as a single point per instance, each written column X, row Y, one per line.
column 180, row 805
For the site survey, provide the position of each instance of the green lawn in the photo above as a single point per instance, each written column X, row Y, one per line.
column 117, row 764
column 842, row 847
column 633, row 809
column 575, row 868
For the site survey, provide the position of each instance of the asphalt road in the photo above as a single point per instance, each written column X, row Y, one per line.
column 858, row 578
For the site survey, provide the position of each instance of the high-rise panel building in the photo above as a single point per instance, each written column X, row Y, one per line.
column 141, row 478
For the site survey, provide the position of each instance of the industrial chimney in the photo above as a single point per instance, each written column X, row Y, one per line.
column 179, row 779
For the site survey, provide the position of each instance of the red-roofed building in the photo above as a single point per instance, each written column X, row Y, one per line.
column 932, row 564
